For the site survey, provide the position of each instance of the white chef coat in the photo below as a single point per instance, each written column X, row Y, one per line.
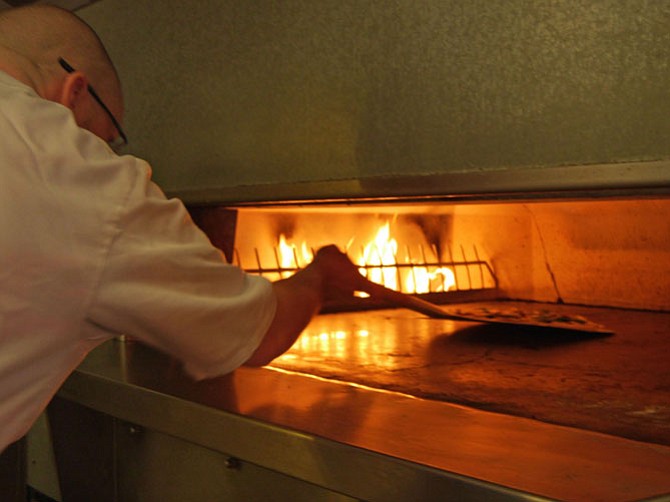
column 90, row 248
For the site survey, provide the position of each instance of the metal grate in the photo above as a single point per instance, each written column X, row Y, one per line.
column 470, row 272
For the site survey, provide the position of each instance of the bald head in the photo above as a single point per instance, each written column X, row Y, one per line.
column 33, row 38
column 44, row 33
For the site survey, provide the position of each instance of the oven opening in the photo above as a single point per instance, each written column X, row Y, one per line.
column 606, row 253
column 404, row 248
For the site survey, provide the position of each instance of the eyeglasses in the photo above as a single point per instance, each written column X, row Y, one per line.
column 124, row 139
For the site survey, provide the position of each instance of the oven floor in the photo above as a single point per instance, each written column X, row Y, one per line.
column 618, row 384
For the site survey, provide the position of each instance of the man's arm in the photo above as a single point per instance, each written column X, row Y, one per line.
column 300, row 297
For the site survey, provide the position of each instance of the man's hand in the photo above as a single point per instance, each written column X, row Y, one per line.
column 340, row 276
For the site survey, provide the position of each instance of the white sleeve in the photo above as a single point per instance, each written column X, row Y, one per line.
column 165, row 284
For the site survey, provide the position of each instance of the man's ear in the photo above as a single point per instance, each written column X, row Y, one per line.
column 73, row 90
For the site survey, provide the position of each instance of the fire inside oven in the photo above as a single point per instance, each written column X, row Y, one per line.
column 402, row 248
column 607, row 253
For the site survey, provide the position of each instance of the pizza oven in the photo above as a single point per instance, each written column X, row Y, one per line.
column 600, row 259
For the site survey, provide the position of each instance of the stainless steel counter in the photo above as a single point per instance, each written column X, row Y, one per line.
column 365, row 443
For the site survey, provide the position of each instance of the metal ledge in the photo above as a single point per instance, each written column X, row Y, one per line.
column 343, row 468
column 368, row 444
column 632, row 179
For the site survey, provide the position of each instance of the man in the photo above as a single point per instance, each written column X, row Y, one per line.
column 90, row 248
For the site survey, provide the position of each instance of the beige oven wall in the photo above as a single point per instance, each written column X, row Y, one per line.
column 227, row 93
column 599, row 252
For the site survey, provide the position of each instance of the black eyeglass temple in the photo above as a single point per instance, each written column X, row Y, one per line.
column 68, row 68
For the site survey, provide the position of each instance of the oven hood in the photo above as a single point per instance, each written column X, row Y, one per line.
column 231, row 102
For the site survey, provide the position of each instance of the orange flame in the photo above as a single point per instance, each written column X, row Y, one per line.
column 382, row 251
column 378, row 261
column 289, row 256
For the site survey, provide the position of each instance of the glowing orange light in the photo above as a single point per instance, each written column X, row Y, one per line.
column 378, row 261
column 290, row 257
column 421, row 280
column 381, row 251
